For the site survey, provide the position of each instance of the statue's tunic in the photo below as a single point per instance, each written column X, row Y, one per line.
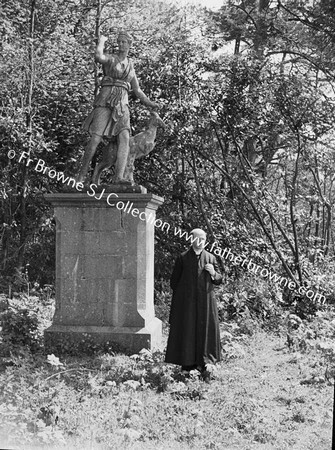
column 194, row 337
column 111, row 112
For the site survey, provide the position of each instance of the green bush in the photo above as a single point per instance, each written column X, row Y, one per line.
column 163, row 295
column 248, row 300
column 19, row 329
column 300, row 305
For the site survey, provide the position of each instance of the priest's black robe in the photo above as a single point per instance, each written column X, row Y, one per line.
column 194, row 337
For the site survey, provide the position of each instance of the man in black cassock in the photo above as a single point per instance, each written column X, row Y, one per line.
column 194, row 338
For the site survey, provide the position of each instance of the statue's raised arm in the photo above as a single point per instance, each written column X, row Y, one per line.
column 110, row 117
column 99, row 52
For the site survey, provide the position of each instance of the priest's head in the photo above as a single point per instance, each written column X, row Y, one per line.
column 198, row 238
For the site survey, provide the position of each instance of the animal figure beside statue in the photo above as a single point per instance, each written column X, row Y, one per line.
column 139, row 145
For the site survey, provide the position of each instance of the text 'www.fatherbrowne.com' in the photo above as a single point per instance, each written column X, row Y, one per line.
column 251, row 266
column 150, row 217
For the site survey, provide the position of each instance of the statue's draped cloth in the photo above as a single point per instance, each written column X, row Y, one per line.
column 111, row 112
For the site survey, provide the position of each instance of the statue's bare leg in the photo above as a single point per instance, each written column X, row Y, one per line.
column 109, row 154
column 122, row 155
column 88, row 155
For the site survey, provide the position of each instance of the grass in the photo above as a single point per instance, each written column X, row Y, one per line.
column 263, row 396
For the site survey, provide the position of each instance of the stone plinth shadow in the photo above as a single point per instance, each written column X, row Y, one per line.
column 104, row 271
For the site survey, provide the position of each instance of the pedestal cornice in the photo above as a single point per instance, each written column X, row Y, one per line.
column 103, row 199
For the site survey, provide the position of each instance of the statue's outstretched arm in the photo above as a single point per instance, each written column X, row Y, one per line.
column 141, row 95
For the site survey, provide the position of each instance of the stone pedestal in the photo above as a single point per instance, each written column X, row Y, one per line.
column 104, row 271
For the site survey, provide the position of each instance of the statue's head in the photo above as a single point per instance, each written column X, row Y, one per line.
column 124, row 35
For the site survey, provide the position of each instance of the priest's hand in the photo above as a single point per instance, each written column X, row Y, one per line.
column 210, row 269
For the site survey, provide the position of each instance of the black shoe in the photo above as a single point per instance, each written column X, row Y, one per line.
column 205, row 374
column 206, row 377
column 189, row 368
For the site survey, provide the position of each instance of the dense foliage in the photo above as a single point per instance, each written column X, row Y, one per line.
column 247, row 94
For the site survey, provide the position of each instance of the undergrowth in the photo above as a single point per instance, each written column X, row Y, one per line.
column 110, row 400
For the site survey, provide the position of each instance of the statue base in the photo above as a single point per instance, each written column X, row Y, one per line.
column 84, row 339
column 104, row 271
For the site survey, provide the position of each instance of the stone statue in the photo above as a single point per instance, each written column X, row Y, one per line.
column 110, row 116
column 139, row 145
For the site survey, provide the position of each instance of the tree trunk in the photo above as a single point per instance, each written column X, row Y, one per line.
column 29, row 125
column 292, row 213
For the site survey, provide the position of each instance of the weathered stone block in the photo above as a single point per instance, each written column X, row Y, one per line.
column 105, row 270
column 77, row 339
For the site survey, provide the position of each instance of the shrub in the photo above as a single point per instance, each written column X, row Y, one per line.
column 300, row 305
column 251, row 299
column 320, row 277
column 163, row 297
column 19, row 329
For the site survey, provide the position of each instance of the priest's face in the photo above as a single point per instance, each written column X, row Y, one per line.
column 199, row 237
